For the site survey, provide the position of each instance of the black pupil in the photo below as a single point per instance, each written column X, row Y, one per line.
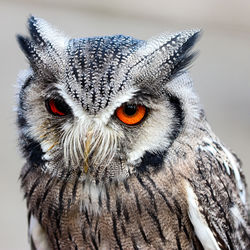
column 61, row 106
column 130, row 109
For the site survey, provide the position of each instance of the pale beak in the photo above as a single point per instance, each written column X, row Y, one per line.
column 86, row 151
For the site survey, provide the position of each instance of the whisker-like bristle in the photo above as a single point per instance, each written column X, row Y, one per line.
column 83, row 140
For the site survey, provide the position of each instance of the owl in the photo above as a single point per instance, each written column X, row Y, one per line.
column 119, row 154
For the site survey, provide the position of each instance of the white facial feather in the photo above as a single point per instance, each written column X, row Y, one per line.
column 93, row 130
column 152, row 138
column 88, row 136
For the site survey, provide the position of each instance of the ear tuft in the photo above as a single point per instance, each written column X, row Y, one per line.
column 33, row 24
column 166, row 55
column 26, row 45
column 185, row 56
column 44, row 48
column 43, row 34
column 192, row 37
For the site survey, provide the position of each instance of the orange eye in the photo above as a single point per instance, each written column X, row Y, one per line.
column 131, row 114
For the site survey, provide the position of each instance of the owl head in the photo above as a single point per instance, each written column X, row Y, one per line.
column 104, row 107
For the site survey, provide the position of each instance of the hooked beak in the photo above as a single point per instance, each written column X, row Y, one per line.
column 87, row 151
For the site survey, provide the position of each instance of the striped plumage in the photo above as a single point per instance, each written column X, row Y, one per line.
column 93, row 182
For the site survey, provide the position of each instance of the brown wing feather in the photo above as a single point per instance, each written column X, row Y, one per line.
column 216, row 185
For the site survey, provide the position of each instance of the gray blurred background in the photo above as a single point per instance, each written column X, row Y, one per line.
column 221, row 72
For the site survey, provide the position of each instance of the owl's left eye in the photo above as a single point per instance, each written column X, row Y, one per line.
column 57, row 107
column 131, row 114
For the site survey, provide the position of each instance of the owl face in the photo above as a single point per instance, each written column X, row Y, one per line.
column 105, row 106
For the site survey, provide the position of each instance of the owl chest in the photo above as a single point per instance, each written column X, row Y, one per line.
column 140, row 214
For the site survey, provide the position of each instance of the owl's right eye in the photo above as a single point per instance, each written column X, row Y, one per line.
column 57, row 107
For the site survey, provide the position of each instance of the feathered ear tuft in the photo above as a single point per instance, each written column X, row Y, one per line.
column 26, row 45
column 43, row 37
column 43, row 34
column 167, row 54
column 34, row 29
column 45, row 47
column 33, row 53
column 185, row 55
